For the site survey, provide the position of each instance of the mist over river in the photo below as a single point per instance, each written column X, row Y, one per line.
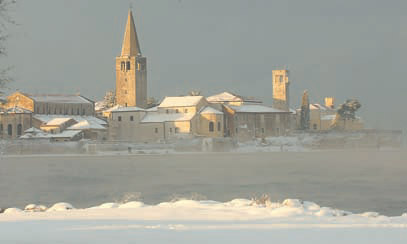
column 357, row 181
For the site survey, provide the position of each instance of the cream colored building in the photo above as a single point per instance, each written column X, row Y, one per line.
column 322, row 117
column 131, row 70
column 249, row 121
column 175, row 118
column 51, row 103
column 14, row 121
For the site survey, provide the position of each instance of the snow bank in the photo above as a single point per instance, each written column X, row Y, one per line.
column 186, row 221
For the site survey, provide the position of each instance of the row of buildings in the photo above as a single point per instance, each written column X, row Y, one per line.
column 130, row 117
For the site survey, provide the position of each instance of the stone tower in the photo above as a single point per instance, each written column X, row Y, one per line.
column 281, row 95
column 131, row 70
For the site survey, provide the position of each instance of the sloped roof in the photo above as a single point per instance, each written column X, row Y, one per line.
column 256, row 108
column 44, row 135
column 86, row 125
column 58, row 121
column 210, row 110
column 162, row 117
column 58, row 98
column 183, row 101
column 47, row 117
column 230, row 97
column 126, row 109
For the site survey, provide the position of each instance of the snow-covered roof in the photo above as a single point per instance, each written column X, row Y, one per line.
column 33, row 130
column 127, row 109
column 210, row 110
column 184, row 101
column 45, row 118
column 317, row 106
column 86, row 125
column 100, row 105
column 256, row 108
column 152, row 109
column 230, row 97
column 163, row 117
column 44, row 135
column 58, row 121
column 58, row 98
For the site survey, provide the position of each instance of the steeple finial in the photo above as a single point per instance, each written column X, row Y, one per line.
column 131, row 46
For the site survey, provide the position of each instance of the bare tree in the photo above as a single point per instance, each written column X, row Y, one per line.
column 5, row 21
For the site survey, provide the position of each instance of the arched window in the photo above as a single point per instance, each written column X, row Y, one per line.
column 10, row 130
column 211, row 125
column 218, row 126
column 122, row 66
column 19, row 130
column 128, row 65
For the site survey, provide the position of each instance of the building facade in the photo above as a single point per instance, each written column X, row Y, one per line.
column 51, row 103
column 14, row 121
column 131, row 70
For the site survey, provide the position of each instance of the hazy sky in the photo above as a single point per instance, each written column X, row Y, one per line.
column 340, row 48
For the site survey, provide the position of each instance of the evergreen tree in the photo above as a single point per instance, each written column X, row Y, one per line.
column 304, row 120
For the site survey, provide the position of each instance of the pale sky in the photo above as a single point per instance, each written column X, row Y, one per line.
column 346, row 49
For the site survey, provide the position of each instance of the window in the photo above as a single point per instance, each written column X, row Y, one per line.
column 72, row 111
column 125, row 92
column 128, row 65
column 176, row 130
column 10, row 130
column 1, row 129
column 83, row 111
column 262, row 130
column 211, row 126
column 156, row 130
column 19, row 130
column 236, row 130
column 167, row 111
column 170, row 130
column 186, row 110
column 77, row 111
column 60, row 110
column 122, row 66
column 119, row 118
column 131, row 118
column 219, row 126
column 314, row 126
column 176, row 110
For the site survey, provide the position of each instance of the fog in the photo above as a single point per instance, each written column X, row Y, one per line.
column 346, row 49
column 355, row 181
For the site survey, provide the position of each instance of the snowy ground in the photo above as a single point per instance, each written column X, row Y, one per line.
column 187, row 221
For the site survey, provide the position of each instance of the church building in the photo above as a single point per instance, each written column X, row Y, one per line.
column 131, row 70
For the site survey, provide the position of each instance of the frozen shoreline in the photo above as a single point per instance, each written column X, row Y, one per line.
column 185, row 220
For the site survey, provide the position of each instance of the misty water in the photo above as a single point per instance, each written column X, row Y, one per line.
column 350, row 180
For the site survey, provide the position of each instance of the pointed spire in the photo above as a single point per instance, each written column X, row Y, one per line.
column 131, row 46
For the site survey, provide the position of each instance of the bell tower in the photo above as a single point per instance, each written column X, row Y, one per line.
column 281, row 91
column 131, row 70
